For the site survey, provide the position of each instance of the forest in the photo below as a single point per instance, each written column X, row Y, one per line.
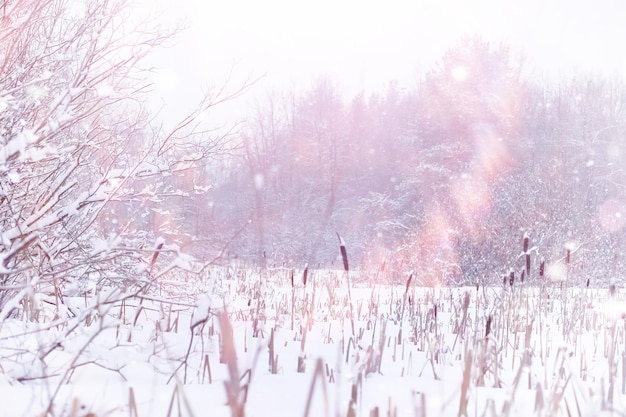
column 442, row 179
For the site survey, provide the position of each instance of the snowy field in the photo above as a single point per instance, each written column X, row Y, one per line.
column 239, row 342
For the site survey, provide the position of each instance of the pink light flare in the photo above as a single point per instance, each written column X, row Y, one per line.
column 611, row 215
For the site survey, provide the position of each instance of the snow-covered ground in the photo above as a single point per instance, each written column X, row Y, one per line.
column 241, row 342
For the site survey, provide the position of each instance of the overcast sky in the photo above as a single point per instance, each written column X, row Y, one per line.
column 363, row 45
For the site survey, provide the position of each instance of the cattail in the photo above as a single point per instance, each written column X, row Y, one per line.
column 408, row 284
column 511, row 278
column 156, row 254
column 542, row 268
column 521, row 278
column 525, row 243
column 488, row 327
column 527, row 255
column 567, row 257
column 587, row 282
column 612, row 290
column 293, row 285
column 305, row 273
column 344, row 254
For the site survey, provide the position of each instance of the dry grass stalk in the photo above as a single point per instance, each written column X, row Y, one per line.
column 467, row 373
column 461, row 328
column 404, row 299
column 206, row 369
column 176, row 397
column 132, row 403
column 381, row 347
column 508, row 403
column 235, row 393
column 273, row 357
column 419, row 404
column 539, row 401
column 318, row 375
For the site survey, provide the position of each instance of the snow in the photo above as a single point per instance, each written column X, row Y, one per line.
column 13, row 176
column 105, row 90
column 18, row 144
column 259, row 181
column 142, row 356
column 99, row 246
column 202, row 311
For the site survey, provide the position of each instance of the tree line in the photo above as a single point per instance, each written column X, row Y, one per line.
column 442, row 179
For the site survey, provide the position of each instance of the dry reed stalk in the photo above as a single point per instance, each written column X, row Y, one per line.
column 301, row 368
column 508, row 403
column 461, row 327
column 273, row 358
column 381, row 347
column 132, row 403
column 467, row 373
column 175, row 398
column 206, row 369
column 318, row 374
column 612, row 359
column 235, row 394
column 539, row 401
column 391, row 411
column 419, row 404
column 404, row 298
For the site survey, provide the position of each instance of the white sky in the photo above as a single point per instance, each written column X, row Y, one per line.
column 366, row 44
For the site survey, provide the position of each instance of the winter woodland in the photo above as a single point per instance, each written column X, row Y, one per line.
column 455, row 248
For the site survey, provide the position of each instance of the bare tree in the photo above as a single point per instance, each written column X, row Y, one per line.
column 84, row 166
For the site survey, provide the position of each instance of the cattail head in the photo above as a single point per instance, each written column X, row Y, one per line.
column 511, row 278
column 567, row 256
column 344, row 254
column 587, row 283
column 156, row 252
column 305, row 273
column 521, row 278
column 542, row 268
column 408, row 284
column 525, row 243
column 488, row 326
